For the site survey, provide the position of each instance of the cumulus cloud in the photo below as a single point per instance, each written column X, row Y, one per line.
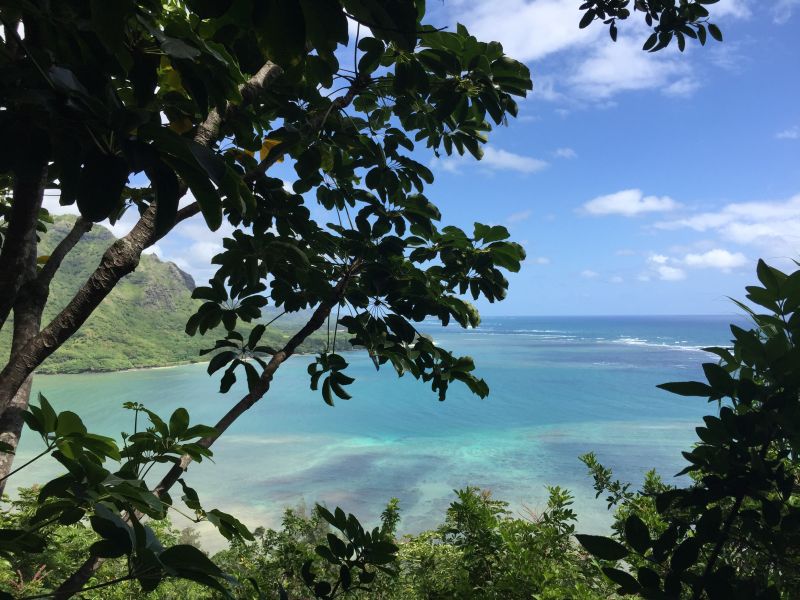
column 504, row 160
column 589, row 274
column 733, row 8
column 667, row 273
column 773, row 227
column 528, row 30
column 658, row 259
column 659, row 268
column 629, row 203
column 668, row 268
column 494, row 159
column 716, row 259
column 595, row 67
column 611, row 68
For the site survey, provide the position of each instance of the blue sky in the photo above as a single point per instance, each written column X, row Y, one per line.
column 638, row 183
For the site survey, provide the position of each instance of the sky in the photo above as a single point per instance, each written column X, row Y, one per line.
column 638, row 183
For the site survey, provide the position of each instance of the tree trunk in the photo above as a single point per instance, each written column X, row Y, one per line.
column 29, row 302
column 20, row 241
column 121, row 258
column 28, row 310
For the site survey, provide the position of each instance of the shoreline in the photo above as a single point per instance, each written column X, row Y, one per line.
column 150, row 368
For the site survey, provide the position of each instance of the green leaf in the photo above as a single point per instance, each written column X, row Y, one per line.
column 69, row 423
column 178, row 423
column 720, row 379
column 688, row 388
column 626, row 581
column 220, row 360
column 602, row 547
column 184, row 557
column 685, row 554
column 637, row 534
column 715, row 32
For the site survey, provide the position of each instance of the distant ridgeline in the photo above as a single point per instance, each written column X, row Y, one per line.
column 140, row 324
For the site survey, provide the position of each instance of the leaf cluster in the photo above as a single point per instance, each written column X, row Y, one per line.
column 669, row 19
column 733, row 533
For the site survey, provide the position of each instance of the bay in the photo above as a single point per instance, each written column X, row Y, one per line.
column 560, row 387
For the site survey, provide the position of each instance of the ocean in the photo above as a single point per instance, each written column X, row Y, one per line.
column 560, row 387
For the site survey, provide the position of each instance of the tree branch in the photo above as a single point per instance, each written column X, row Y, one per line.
column 63, row 248
column 78, row 579
column 340, row 103
column 121, row 258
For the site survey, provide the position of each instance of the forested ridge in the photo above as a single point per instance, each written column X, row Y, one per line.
column 142, row 322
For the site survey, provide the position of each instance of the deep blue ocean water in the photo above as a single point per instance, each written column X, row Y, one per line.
column 560, row 387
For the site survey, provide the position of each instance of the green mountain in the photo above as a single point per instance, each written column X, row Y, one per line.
column 140, row 324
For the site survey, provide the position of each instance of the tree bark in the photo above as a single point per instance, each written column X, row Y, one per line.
column 28, row 309
column 20, row 239
column 120, row 259
column 27, row 320
column 81, row 576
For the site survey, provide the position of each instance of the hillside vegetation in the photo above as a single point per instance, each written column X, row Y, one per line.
column 140, row 324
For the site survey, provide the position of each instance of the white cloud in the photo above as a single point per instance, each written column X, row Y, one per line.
column 589, row 274
column 672, row 269
column 773, row 227
column 617, row 67
column 50, row 202
column 625, row 252
column 518, row 217
column 190, row 245
column 533, row 29
column 667, row 273
column 682, row 88
column 528, row 30
column 732, row 8
column 504, row 160
column 629, row 203
column 541, row 260
column 793, row 133
column 782, row 11
column 616, row 279
column 567, row 153
column 493, row 159
column 716, row 259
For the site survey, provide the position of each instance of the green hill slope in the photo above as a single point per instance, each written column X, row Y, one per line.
column 140, row 324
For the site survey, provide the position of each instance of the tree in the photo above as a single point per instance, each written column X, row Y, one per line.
column 735, row 531
column 138, row 105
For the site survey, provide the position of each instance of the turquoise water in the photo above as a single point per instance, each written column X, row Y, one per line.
column 560, row 387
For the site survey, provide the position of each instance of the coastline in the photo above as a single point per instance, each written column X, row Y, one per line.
column 147, row 368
